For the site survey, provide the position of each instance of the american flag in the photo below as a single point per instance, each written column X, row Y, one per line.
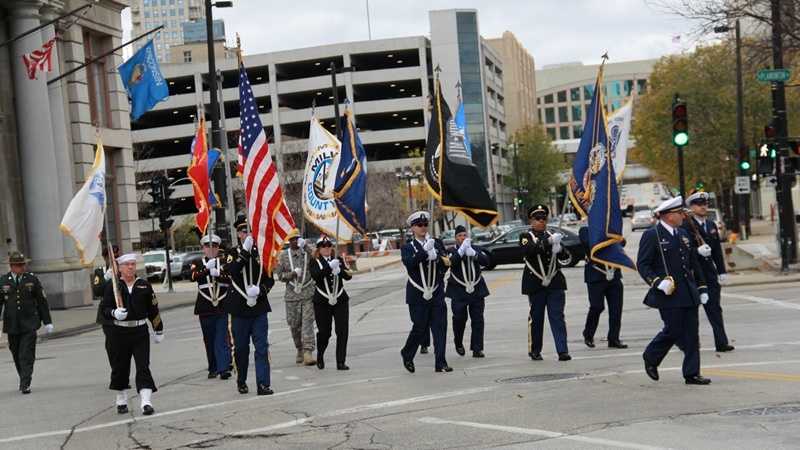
column 269, row 218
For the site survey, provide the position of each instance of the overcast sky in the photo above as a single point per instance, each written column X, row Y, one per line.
column 553, row 31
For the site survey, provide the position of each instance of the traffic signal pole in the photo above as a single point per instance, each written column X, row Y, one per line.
column 787, row 236
column 680, row 137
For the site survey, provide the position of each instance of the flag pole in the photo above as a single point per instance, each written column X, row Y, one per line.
column 45, row 25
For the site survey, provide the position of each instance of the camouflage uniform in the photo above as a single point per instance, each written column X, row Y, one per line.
column 299, row 305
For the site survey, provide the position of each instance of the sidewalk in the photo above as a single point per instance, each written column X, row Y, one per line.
column 69, row 322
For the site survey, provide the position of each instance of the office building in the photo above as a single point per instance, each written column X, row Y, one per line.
column 149, row 14
column 519, row 75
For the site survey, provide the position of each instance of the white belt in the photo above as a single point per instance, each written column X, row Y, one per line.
column 468, row 283
column 332, row 299
column 545, row 277
column 303, row 286
column 210, row 285
column 130, row 323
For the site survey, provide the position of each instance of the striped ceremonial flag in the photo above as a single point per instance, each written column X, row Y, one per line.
column 269, row 218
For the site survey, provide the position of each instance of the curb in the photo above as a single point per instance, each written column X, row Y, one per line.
column 378, row 267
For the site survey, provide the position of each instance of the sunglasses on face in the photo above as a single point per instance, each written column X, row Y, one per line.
column 421, row 224
column 700, row 203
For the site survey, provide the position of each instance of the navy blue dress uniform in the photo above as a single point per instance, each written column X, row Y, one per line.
column 331, row 304
column 24, row 308
column 668, row 264
column 467, row 290
column 545, row 286
column 604, row 284
column 209, row 306
column 704, row 231
column 248, row 306
column 425, row 295
column 127, row 336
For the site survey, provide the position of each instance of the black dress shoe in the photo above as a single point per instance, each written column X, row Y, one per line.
column 617, row 344
column 423, row 350
column 409, row 365
column 564, row 357
column 478, row 354
column 122, row 409
column 698, row 380
column 25, row 389
column 460, row 350
column 320, row 362
column 224, row 375
column 651, row 370
column 148, row 410
column 263, row 389
column 243, row 388
column 212, row 375
column 725, row 348
column 342, row 366
column 589, row 342
column 444, row 369
column 535, row 356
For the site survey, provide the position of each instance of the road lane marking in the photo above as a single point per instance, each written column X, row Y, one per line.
column 184, row 410
column 765, row 376
column 763, row 300
column 542, row 433
column 353, row 410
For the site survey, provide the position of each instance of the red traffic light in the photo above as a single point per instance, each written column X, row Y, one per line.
column 770, row 132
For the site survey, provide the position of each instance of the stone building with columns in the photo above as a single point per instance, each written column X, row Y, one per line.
column 48, row 135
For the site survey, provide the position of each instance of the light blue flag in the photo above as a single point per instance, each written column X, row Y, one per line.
column 461, row 124
column 143, row 80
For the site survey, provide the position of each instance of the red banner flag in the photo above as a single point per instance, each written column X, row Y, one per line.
column 198, row 174
column 40, row 59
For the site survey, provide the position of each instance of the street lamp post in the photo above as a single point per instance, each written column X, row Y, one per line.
column 216, row 139
column 407, row 174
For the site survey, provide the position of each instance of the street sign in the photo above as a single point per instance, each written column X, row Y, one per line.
column 742, row 185
column 770, row 75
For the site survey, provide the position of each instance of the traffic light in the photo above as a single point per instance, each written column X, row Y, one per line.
column 156, row 194
column 766, row 160
column 700, row 186
column 744, row 166
column 680, row 123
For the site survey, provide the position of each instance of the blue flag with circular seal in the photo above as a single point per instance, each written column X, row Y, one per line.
column 143, row 80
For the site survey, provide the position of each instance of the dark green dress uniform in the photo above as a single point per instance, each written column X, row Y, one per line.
column 24, row 308
column 130, row 337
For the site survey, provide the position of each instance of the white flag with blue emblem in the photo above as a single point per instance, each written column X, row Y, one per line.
column 619, row 130
column 83, row 220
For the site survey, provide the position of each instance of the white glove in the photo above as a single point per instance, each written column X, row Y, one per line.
column 120, row 313
column 214, row 272
column 470, row 252
column 253, row 291
column 298, row 271
column 334, row 264
column 467, row 242
column 336, row 271
column 432, row 255
column 301, row 242
column 556, row 248
column 48, row 328
column 704, row 298
column 555, row 238
column 462, row 249
column 665, row 286
column 723, row 277
column 430, row 244
column 704, row 250
column 158, row 337
column 251, row 301
column 248, row 243
column 211, row 263
column 108, row 275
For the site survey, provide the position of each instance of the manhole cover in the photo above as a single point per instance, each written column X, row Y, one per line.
column 539, row 378
column 767, row 411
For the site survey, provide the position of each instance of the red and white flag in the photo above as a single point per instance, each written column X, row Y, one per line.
column 39, row 60
column 270, row 221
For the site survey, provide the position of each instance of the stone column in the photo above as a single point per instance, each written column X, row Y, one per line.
column 39, row 169
column 61, row 148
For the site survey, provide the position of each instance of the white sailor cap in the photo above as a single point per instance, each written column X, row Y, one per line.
column 671, row 205
column 212, row 238
column 126, row 258
column 417, row 217
column 697, row 196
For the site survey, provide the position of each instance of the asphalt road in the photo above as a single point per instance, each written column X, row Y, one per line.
column 600, row 399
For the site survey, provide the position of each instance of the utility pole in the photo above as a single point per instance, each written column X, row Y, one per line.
column 786, row 222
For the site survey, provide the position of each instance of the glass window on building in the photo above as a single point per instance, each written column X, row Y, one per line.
column 577, row 131
column 163, row 2
column 172, row 12
column 575, row 94
column 563, row 133
column 552, row 133
column 147, row 14
column 549, row 115
column 613, row 89
column 163, row 13
column 562, row 114
column 548, row 98
column 539, row 111
column 641, row 86
column 577, row 111
column 628, row 90
column 588, row 91
column 97, row 78
column 171, row 2
column 187, row 56
column 562, row 96
column 180, row 11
